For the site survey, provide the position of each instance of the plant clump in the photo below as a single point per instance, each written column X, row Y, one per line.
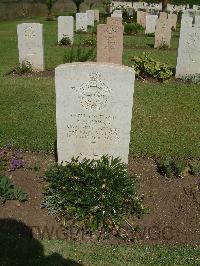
column 147, row 67
column 97, row 195
column 132, row 28
column 65, row 41
column 79, row 54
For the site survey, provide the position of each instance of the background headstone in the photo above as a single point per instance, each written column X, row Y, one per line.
column 172, row 20
column 65, row 27
column 93, row 110
column 162, row 33
column 90, row 17
column 141, row 18
column 117, row 14
column 30, row 45
column 81, row 22
column 188, row 60
column 110, row 41
column 150, row 23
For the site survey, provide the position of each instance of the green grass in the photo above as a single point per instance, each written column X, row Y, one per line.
column 18, row 251
column 165, row 118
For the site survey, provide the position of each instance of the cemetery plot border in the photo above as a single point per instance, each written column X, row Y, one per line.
column 175, row 202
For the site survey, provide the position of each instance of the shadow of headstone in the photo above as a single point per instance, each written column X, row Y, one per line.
column 18, row 247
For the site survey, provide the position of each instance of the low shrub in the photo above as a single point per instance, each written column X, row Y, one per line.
column 10, row 161
column 10, row 192
column 90, row 41
column 163, row 46
column 65, row 41
column 94, row 194
column 145, row 66
column 169, row 167
column 194, row 169
column 79, row 54
column 195, row 78
column 20, row 69
column 132, row 28
column 152, row 34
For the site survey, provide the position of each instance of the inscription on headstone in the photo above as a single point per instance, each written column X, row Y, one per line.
column 93, row 112
column 30, row 45
column 110, row 41
column 163, row 32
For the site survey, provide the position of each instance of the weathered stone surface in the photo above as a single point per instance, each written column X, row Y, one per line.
column 188, row 60
column 141, row 18
column 30, row 45
column 117, row 14
column 150, row 23
column 197, row 21
column 65, row 27
column 110, row 41
column 81, row 22
column 162, row 16
column 93, row 110
column 163, row 33
column 186, row 21
column 172, row 20
column 96, row 15
column 90, row 17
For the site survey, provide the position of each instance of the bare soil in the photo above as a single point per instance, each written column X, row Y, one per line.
column 173, row 203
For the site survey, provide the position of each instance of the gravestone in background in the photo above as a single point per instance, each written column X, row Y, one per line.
column 162, row 33
column 173, row 20
column 141, row 18
column 117, row 14
column 110, row 41
column 188, row 60
column 90, row 17
column 65, row 27
column 81, row 22
column 151, row 23
column 93, row 110
column 30, row 45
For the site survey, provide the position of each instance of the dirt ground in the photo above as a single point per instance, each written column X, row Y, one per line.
column 173, row 203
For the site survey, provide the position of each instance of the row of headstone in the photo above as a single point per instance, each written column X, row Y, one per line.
column 83, row 20
column 150, row 22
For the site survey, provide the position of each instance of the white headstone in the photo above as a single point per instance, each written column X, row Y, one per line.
column 188, row 60
column 117, row 13
column 66, row 27
column 81, row 22
column 90, row 17
column 197, row 21
column 93, row 110
column 151, row 23
column 30, row 45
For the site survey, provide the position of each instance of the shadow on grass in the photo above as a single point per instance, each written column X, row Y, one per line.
column 18, row 247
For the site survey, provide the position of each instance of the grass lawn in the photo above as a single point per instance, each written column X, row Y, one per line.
column 165, row 117
column 17, row 251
